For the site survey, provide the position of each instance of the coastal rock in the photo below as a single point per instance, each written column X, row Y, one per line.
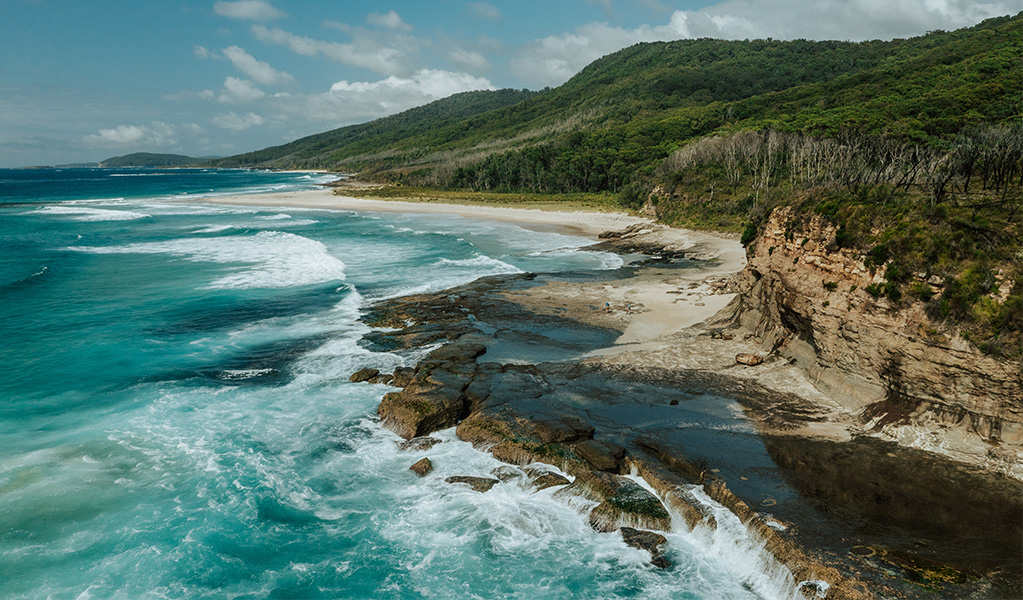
column 893, row 364
column 565, row 429
column 654, row 543
column 542, row 479
column 382, row 378
column 417, row 444
column 403, row 376
column 749, row 359
column 603, row 456
column 506, row 473
column 477, row 484
column 363, row 375
column 422, row 467
column 623, row 502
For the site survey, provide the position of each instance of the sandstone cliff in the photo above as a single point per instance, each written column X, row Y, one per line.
column 911, row 378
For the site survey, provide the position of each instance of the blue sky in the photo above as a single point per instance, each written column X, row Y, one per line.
column 81, row 81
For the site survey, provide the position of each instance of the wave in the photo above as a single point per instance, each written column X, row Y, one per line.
column 86, row 214
column 275, row 259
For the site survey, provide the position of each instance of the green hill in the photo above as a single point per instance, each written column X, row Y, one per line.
column 147, row 159
column 619, row 117
column 328, row 150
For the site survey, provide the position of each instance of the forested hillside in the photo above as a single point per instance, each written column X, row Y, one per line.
column 912, row 148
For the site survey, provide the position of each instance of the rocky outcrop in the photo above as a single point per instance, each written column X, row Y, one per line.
column 654, row 543
column 806, row 299
column 422, row 467
column 622, row 502
column 476, row 484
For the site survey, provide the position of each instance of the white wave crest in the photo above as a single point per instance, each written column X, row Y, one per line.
column 84, row 213
column 273, row 259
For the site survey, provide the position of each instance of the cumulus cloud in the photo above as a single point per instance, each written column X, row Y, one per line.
column 485, row 11
column 470, row 61
column 236, row 122
column 260, row 71
column 553, row 60
column 157, row 133
column 248, row 10
column 390, row 21
column 354, row 102
column 366, row 53
column 237, row 91
column 840, row 19
column 201, row 52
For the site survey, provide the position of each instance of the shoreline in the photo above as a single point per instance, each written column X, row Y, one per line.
column 667, row 319
column 578, row 223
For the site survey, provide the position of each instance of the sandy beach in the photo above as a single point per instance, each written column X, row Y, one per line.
column 587, row 224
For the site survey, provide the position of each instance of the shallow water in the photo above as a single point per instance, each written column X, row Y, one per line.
column 177, row 419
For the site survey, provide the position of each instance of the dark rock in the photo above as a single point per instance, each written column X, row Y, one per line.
column 418, row 443
column 364, row 375
column 674, row 402
column 749, row 359
column 603, row 456
column 565, row 429
column 432, row 401
column 457, row 352
column 422, row 467
column 623, row 502
column 383, row 378
column 403, row 376
column 478, row 484
column 543, row 478
column 506, row 473
column 654, row 543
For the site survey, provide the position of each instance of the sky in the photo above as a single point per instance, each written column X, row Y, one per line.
column 81, row 81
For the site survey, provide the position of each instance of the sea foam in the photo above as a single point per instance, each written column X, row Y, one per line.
column 275, row 259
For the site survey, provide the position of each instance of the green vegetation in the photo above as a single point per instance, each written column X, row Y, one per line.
column 912, row 149
column 146, row 159
column 579, row 202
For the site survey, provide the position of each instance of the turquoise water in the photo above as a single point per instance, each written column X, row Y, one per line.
column 176, row 419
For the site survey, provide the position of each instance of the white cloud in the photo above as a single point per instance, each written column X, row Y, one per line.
column 470, row 61
column 840, row 19
column 249, row 10
column 485, row 11
column 366, row 53
column 553, row 60
column 391, row 21
column 260, row 71
column 236, row 122
column 237, row 91
column 201, row 52
column 360, row 101
column 157, row 133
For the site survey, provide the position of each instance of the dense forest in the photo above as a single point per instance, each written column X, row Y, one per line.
column 913, row 148
column 147, row 159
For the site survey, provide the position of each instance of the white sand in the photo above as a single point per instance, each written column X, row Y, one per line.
column 587, row 224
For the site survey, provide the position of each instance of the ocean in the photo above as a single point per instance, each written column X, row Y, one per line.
column 176, row 419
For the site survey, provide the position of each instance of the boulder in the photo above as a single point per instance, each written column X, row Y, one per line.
column 431, row 402
column 478, row 484
column 418, row 443
column 383, row 378
column 364, row 375
column 543, row 478
column 565, row 429
column 623, row 502
column 403, row 376
column 654, row 543
column 506, row 473
column 602, row 456
column 422, row 467
column 749, row 359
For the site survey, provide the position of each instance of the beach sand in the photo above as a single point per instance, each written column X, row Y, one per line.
column 586, row 224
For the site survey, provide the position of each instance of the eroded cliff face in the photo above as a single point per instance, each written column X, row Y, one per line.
column 903, row 373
